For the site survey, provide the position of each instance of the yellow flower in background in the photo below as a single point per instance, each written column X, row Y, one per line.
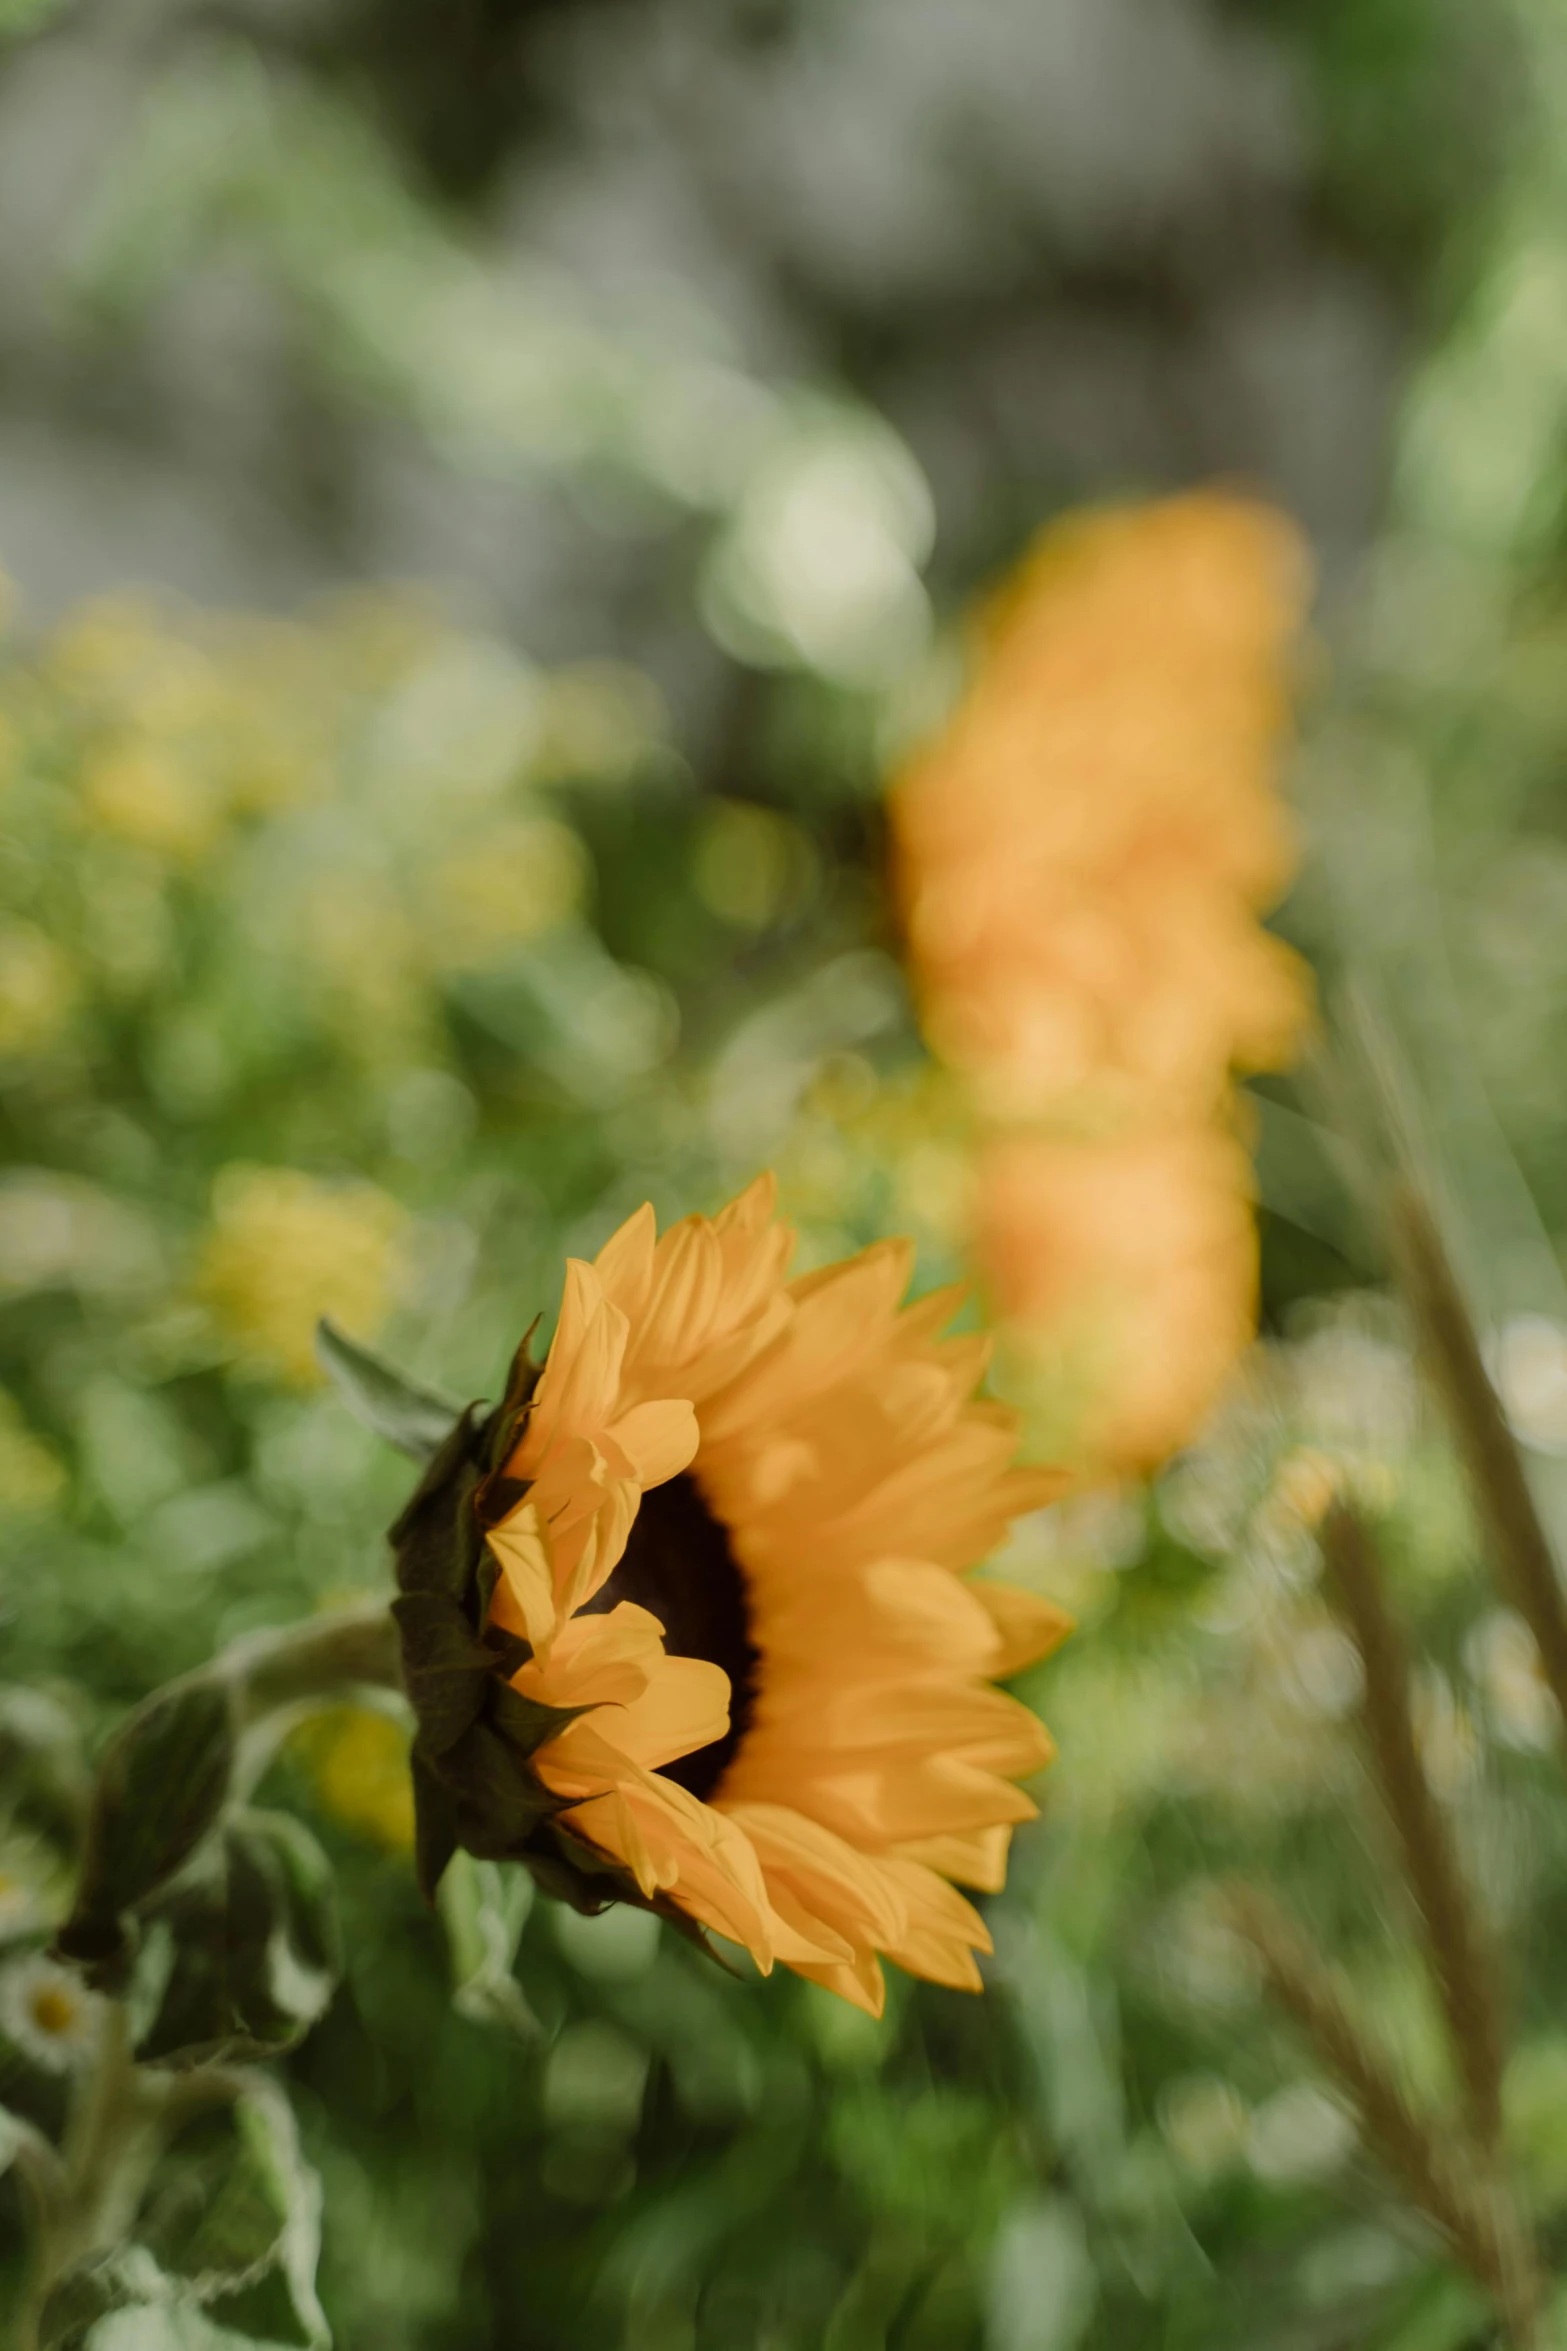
column 512, row 883
column 285, row 1248
column 128, row 662
column 744, row 1549
column 1082, row 853
column 358, row 1759
column 38, row 990
column 600, row 720
column 1124, row 1274
column 357, row 936
column 146, row 793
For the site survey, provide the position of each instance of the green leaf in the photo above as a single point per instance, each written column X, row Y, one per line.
column 161, row 1787
column 484, row 1907
column 78, row 2301
column 416, row 1420
column 248, row 1944
column 235, row 2217
column 223, row 2250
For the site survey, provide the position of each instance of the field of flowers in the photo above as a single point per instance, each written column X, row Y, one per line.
column 781, row 920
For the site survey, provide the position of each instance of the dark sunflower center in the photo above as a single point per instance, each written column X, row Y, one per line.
column 678, row 1566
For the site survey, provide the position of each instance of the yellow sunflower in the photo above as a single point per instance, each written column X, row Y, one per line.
column 741, row 1549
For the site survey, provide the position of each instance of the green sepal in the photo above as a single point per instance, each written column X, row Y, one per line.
column 505, row 1422
column 473, row 1789
column 446, row 1668
column 417, row 1420
column 437, row 1538
column 161, row 1788
column 524, row 1723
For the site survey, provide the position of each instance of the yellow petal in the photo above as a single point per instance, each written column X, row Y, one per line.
column 835, row 1885
column 605, row 1660
column 978, row 1857
column 702, row 1859
column 658, row 1440
column 525, row 1597
column 860, row 1982
column 1028, row 1627
column 943, row 1931
column 625, row 1263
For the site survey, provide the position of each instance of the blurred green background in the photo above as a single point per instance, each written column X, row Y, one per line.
column 487, row 488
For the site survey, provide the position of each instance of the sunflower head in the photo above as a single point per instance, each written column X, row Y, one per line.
column 688, row 1619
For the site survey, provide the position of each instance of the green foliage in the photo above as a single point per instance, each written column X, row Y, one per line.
column 242, row 1957
column 223, row 2252
column 417, row 1422
column 361, row 964
column 161, row 1787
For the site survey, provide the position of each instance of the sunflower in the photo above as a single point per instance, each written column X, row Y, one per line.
column 744, row 1511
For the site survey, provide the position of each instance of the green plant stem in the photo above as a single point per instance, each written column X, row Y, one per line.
column 112, row 2139
column 314, row 1660
column 86, row 2197
column 1518, row 1540
column 1460, row 1963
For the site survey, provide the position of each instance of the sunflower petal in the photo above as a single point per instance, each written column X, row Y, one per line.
column 943, row 1931
column 1028, row 1627
column 977, row 1857
column 625, row 1263
column 659, row 1440
column 859, row 1981
column 845, row 1890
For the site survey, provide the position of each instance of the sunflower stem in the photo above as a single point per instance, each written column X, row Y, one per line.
column 86, row 2195
column 315, row 1660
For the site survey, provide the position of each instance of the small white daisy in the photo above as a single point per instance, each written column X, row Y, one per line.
column 46, row 2014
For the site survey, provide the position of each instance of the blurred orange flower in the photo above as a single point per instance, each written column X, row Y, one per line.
column 1082, row 857
column 1124, row 1273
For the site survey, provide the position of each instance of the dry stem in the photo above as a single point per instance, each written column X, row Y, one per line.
column 1474, row 2215
column 1460, row 1963
column 1523, row 1553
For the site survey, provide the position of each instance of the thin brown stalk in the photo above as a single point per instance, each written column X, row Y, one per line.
column 1473, row 2215
column 1455, row 1942
column 1522, row 1551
